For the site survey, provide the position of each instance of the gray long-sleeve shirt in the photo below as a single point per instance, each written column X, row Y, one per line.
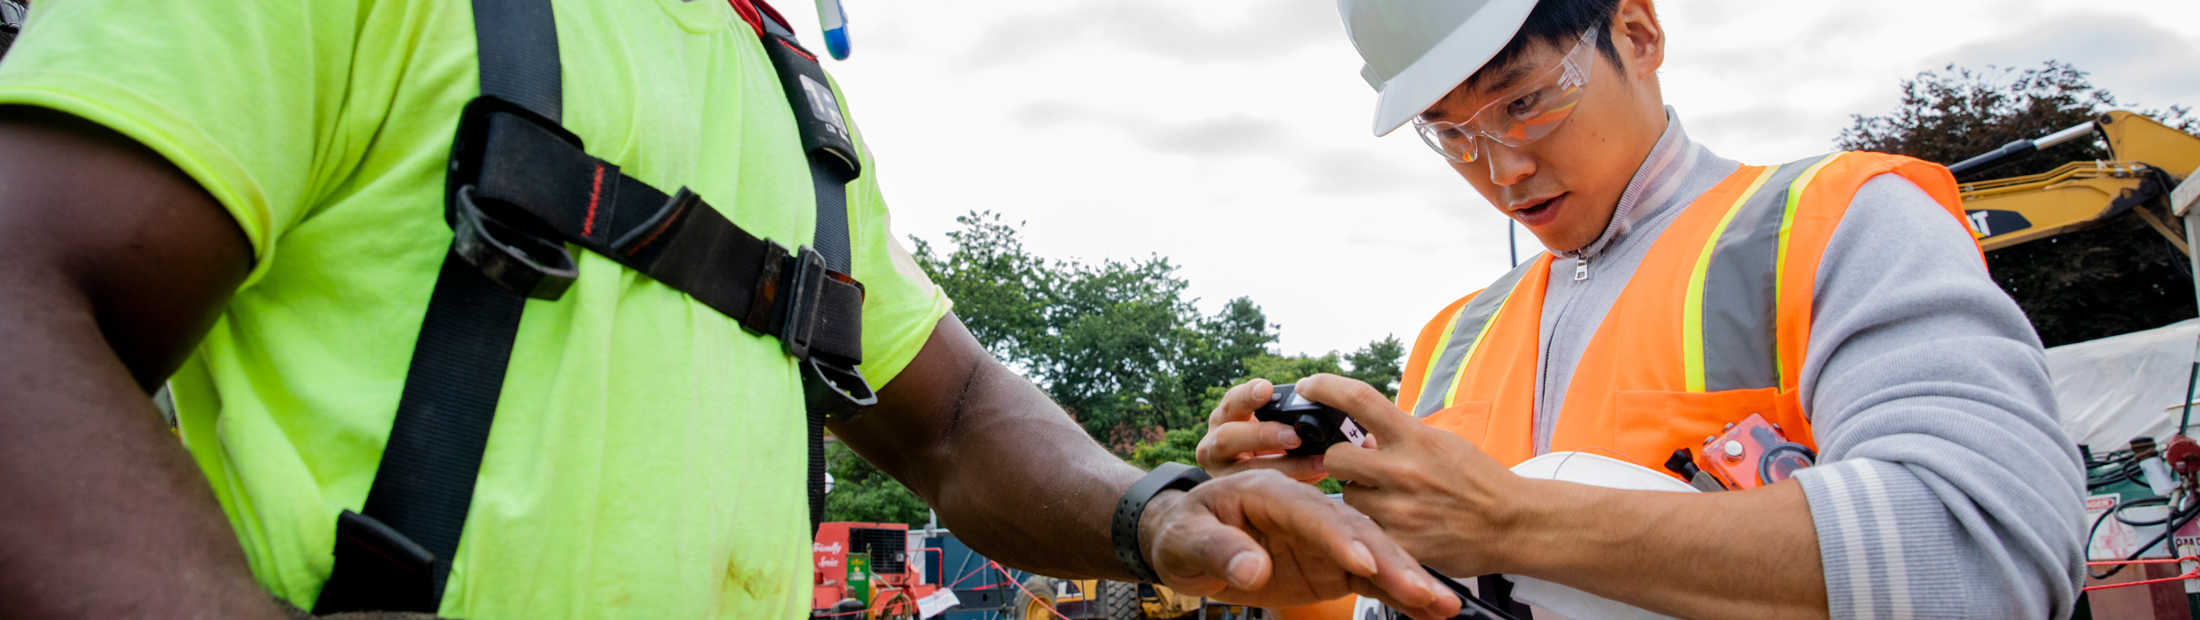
column 1944, row 487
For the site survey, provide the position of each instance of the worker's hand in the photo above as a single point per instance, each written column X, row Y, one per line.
column 1259, row 538
column 1434, row 492
column 1236, row 442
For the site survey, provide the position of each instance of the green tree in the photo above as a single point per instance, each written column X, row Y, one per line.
column 1118, row 343
column 1001, row 290
column 2112, row 279
column 1379, row 364
column 863, row 493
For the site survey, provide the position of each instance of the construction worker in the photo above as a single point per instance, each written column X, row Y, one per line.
column 1839, row 298
column 249, row 202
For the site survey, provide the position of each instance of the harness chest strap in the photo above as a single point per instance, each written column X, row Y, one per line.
column 520, row 188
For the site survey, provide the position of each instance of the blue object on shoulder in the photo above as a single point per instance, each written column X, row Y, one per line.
column 836, row 42
column 834, row 21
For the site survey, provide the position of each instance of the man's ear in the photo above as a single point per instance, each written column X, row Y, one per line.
column 1638, row 37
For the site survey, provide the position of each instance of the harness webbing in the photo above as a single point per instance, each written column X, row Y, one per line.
column 521, row 187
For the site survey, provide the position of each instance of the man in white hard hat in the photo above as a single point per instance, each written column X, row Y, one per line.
column 1726, row 322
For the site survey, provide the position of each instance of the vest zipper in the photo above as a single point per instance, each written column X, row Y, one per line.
column 1581, row 269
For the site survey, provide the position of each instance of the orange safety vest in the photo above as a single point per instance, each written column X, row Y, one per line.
column 1710, row 328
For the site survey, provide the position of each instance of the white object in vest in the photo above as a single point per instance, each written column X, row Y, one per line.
column 1583, row 468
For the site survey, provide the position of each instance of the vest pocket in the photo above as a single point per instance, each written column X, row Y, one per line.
column 1647, row 427
column 1468, row 420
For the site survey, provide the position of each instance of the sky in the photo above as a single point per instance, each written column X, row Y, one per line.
column 1231, row 136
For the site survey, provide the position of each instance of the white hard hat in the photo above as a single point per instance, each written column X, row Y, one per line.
column 1417, row 50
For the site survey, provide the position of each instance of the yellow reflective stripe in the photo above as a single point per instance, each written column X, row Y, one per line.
column 1452, row 390
column 1692, row 305
column 1787, row 224
column 1436, row 354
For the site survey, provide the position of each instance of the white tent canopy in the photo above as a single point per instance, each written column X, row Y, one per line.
column 2121, row 387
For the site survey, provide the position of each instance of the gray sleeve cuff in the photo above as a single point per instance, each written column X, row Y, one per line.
column 1887, row 544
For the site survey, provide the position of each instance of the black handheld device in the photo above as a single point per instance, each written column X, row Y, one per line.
column 1319, row 426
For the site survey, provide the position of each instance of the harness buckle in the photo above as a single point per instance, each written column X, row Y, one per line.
column 805, row 273
column 829, row 385
column 520, row 262
column 834, row 389
column 509, row 253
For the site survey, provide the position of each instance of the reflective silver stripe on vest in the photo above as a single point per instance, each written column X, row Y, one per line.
column 1739, row 289
column 1463, row 332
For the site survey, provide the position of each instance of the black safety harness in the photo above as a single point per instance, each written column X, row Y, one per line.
column 519, row 189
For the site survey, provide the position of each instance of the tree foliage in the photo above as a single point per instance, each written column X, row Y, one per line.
column 1118, row 343
column 863, row 493
column 2116, row 278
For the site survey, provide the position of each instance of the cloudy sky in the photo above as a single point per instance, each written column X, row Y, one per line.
column 1232, row 135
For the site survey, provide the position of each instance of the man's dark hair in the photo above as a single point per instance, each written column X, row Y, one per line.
column 1559, row 22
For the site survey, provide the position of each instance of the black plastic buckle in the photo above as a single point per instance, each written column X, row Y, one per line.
column 835, row 389
column 520, row 262
column 829, row 386
column 377, row 569
column 806, row 274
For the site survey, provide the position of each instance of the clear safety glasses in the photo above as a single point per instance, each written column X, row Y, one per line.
column 1521, row 115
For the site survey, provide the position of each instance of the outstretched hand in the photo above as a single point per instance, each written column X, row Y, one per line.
column 1260, row 538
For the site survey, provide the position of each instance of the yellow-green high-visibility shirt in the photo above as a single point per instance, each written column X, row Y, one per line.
column 647, row 458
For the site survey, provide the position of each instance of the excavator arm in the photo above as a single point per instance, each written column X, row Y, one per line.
column 2149, row 160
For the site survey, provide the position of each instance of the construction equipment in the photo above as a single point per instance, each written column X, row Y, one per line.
column 2148, row 160
column 2150, row 174
column 1099, row 599
column 861, row 571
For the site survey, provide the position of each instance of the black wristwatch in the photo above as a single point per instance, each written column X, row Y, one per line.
column 1167, row 477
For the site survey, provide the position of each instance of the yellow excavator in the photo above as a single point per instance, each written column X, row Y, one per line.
column 2148, row 161
column 1097, row 599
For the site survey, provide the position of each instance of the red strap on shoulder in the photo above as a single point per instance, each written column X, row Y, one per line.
column 756, row 11
column 749, row 14
column 773, row 14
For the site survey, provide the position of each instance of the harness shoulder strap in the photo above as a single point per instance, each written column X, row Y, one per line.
column 519, row 189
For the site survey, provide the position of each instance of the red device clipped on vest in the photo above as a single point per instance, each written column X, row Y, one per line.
column 1753, row 453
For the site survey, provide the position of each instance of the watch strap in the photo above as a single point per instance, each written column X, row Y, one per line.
column 1124, row 531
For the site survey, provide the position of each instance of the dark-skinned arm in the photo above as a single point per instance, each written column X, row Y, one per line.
column 112, row 266
column 1022, row 483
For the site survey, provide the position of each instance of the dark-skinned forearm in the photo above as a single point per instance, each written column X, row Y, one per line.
column 1002, row 464
column 103, row 286
column 1749, row 554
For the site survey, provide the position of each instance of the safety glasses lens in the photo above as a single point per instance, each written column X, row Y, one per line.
column 1452, row 141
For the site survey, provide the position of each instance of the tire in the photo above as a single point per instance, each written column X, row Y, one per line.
column 896, row 606
column 1035, row 601
column 1120, row 601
